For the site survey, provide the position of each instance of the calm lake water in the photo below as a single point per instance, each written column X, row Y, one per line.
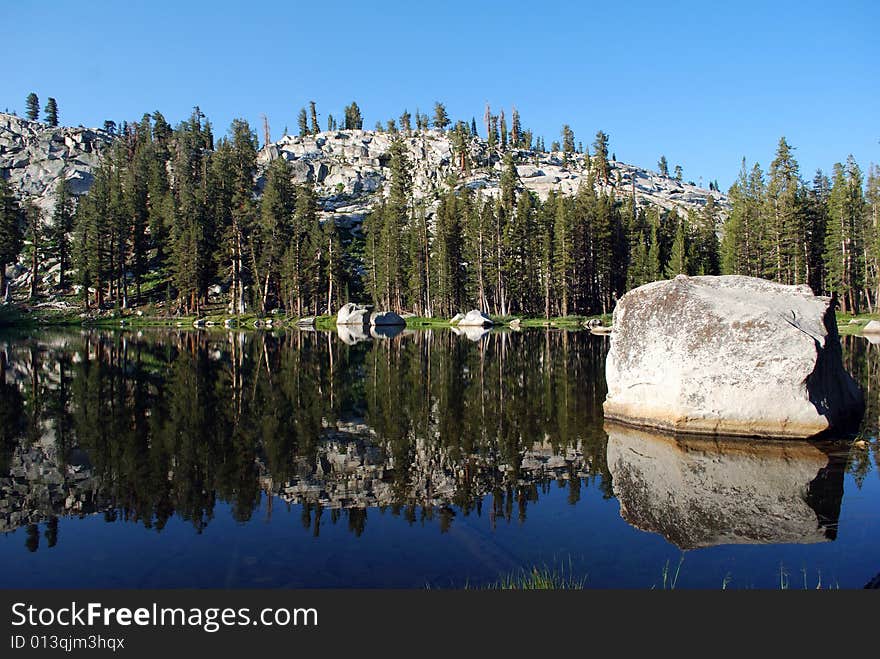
column 428, row 459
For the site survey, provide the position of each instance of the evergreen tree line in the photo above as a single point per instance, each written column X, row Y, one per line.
column 515, row 254
column 173, row 201
column 173, row 210
column 824, row 233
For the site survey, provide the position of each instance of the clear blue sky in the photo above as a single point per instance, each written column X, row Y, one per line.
column 704, row 83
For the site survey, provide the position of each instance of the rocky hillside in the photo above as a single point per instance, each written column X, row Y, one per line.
column 348, row 167
column 34, row 156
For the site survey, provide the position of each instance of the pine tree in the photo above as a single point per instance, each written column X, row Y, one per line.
column 678, row 257
column 707, row 260
column 679, row 174
column 521, row 250
column 11, row 221
column 788, row 242
column 600, row 156
column 332, row 264
column 487, row 118
column 844, row 256
column 516, row 132
column 353, row 118
column 567, row 143
column 33, row 107
column 244, row 211
column 653, row 269
column 564, row 252
column 62, row 225
column 51, row 112
column 441, row 119
column 872, row 238
column 313, row 114
column 34, row 238
column 546, row 218
column 301, row 267
column 406, row 122
column 503, row 129
column 742, row 236
column 302, row 121
column 449, row 285
column 274, row 230
column 815, row 207
column 663, row 166
column 202, row 206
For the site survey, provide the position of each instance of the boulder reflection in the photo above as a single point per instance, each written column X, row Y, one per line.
column 700, row 492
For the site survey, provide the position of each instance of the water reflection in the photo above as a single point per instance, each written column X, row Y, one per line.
column 472, row 332
column 699, row 492
column 141, row 427
column 428, row 425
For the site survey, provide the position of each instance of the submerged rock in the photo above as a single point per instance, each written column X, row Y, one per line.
column 700, row 491
column 475, row 318
column 729, row 355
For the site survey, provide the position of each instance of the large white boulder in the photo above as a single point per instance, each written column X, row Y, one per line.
column 728, row 355
column 353, row 314
column 475, row 318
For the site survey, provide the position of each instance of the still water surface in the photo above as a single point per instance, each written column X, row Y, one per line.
column 428, row 459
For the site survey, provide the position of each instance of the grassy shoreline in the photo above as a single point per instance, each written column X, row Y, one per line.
column 16, row 316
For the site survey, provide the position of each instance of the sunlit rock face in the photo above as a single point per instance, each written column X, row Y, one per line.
column 728, row 355
column 35, row 156
column 700, row 492
column 350, row 169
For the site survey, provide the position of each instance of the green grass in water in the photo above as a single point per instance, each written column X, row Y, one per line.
column 543, row 578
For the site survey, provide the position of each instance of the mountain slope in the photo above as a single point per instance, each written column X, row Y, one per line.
column 348, row 167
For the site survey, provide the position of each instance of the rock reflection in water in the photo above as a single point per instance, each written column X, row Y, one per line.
column 472, row 332
column 700, row 492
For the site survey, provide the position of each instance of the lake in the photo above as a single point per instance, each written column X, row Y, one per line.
column 425, row 459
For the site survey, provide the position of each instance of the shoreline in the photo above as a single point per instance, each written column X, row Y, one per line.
column 14, row 316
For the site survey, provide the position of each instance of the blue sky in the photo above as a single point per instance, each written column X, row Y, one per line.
column 703, row 83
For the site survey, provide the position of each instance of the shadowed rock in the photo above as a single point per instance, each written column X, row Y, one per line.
column 730, row 356
column 700, row 492
column 386, row 318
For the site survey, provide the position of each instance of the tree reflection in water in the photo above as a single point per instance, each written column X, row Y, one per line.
column 144, row 426
column 141, row 427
